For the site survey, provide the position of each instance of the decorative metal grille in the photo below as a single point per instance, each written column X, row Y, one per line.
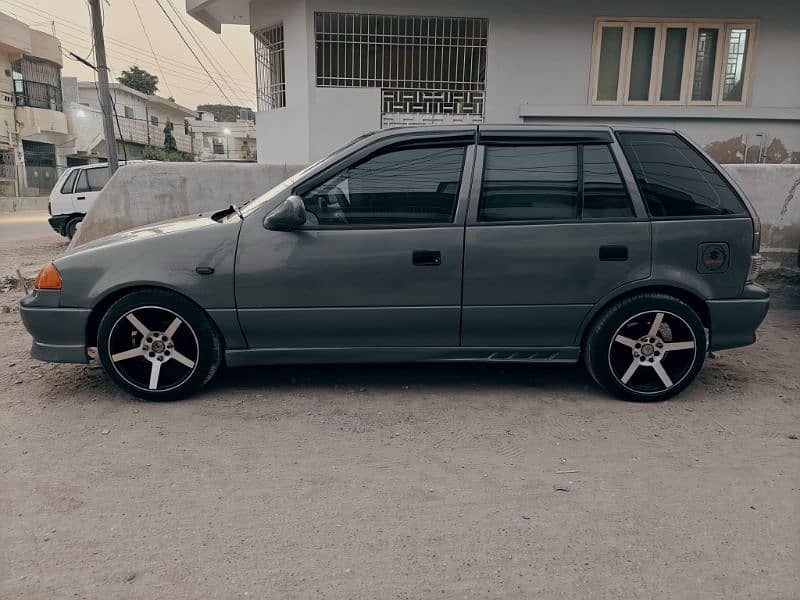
column 432, row 55
column 432, row 101
column 37, row 83
column 270, row 68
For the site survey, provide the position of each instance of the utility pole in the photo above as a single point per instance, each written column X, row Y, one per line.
column 102, row 82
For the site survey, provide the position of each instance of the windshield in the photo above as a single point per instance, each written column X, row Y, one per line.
column 252, row 205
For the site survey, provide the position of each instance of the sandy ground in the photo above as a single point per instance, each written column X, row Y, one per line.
column 406, row 481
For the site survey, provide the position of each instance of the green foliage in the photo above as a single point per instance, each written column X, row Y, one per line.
column 170, row 145
column 154, row 153
column 139, row 80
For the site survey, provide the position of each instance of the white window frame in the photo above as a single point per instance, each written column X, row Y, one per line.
column 687, row 63
column 746, row 76
column 629, row 24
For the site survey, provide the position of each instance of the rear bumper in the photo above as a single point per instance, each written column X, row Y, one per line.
column 59, row 222
column 59, row 334
column 734, row 322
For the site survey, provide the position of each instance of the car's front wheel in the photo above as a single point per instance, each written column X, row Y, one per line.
column 158, row 345
column 647, row 347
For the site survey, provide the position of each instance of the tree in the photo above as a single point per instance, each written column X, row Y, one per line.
column 170, row 145
column 140, row 80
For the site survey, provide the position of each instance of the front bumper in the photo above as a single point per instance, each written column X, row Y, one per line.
column 734, row 322
column 59, row 334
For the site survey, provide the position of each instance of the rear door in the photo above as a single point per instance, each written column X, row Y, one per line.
column 62, row 200
column 88, row 186
column 551, row 230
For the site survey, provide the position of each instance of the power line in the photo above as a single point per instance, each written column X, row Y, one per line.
column 202, row 46
column 149, row 43
column 124, row 49
column 221, row 91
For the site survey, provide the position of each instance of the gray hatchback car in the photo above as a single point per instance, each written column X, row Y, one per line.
column 626, row 248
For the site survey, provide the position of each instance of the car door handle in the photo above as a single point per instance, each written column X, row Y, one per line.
column 613, row 253
column 427, row 258
column 81, row 198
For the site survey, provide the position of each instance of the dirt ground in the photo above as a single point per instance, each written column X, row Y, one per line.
column 406, row 481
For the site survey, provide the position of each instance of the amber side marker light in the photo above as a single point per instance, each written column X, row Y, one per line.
column 48, row 278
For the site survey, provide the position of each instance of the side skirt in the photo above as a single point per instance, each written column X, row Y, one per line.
column 273, row 356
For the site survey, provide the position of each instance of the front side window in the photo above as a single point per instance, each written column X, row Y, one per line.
column 522, row 183
column 666, row 62
column 675, row 179
column 403, row 186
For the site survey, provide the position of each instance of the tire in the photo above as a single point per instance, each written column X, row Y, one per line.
column 158, row 345
column 636, row 355
column 72, row 227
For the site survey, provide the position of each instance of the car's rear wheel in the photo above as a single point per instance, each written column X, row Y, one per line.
column 158, row 345
column 647, row 347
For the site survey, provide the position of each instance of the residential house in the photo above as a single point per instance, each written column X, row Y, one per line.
column 139, row 121
column 228, row 140
column 328, row 70
column 33, row 126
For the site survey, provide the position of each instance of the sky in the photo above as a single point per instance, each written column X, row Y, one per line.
column 180, row 75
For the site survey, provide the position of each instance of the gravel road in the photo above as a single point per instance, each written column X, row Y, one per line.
column 404, row 481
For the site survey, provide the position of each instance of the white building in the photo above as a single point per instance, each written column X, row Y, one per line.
column 223, row 140
column 139, row 121
column 327, row 70
column 33, row 126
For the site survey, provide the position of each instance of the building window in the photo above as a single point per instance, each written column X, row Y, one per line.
column 270, row 68
column 154, row 120
column 666, row 62
column 37, row 83
column 128, row 112
column 423, row 64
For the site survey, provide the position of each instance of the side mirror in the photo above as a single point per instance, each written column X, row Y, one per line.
column 290, row 215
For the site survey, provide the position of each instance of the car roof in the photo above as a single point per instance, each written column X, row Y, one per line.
column 511, row 128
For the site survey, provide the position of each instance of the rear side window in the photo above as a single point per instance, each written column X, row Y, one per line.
column 675, row 179
column 531, row 183
column 92, row 180
column 402, row 186
column 69, row 183
column 604, row 194
column 523, row 183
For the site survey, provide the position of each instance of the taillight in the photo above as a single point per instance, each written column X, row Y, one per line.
column 755, row 268
column 48, row 278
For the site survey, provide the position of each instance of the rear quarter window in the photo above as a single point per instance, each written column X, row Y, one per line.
column 675, row 179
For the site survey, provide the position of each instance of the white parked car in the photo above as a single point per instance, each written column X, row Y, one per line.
column 74, row 193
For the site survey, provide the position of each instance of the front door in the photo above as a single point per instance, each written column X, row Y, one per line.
column 552, row 232
column 378, row 263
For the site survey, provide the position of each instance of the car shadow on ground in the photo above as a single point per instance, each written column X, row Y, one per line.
column 436, row 377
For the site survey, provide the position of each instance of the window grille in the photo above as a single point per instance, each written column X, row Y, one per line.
column 423, row 64
column 270, row 68
column 37, row 83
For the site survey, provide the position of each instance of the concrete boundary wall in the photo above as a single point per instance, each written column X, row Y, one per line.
column 146, row 193
column 774, row 191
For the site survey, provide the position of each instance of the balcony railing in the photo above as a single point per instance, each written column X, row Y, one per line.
column 139, row 131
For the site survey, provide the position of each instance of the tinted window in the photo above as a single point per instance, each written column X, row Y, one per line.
column 529, row 182
column 675, row 179
column 92, row 180
column 403, row 186
column 70, row 181
column 604, row 194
